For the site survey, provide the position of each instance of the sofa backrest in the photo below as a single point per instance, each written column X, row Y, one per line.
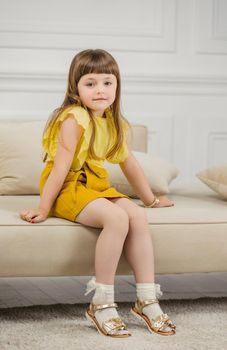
column 138, row 139
column 21, row 154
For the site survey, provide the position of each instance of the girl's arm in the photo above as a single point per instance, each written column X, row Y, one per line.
column 136, row 177
column 69, row 135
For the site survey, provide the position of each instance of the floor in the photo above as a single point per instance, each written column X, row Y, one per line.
column 69, row 290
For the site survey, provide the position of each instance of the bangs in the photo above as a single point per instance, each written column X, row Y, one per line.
column 99, row 63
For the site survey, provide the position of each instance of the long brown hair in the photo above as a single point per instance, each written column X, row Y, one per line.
column 85, row 62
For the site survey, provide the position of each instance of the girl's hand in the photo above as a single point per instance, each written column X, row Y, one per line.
column 34, row 215
column 164, row 202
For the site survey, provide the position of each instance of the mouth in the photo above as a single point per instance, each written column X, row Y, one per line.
column 99, row 99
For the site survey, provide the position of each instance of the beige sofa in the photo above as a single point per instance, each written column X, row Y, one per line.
column 189, row 237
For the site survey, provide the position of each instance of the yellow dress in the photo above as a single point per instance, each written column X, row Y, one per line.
column 87, row 178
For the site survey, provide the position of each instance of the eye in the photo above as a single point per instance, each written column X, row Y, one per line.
column 108, row 83
column 89, row 84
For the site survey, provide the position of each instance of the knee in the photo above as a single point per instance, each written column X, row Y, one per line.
column 119, row 220
column 137, row 214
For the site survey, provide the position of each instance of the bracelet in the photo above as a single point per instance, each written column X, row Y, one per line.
column 155, row 201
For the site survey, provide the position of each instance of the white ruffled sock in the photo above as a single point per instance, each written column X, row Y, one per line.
column 104, row 294
column 146, row 291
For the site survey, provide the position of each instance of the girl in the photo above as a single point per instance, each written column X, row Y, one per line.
column 85, row 130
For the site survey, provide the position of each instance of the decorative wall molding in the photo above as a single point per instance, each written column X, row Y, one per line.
column 175, row 82
column 160, row 139
column 147, row 84
column 210, row 138
column 52, row 28
column 27, row 115
column 217, row 142
column 156, row 35
column 219, row 19
column 210, row 27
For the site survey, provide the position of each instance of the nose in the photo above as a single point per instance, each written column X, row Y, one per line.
column 100, row 88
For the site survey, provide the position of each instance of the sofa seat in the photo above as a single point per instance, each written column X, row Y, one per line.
column 189, row 237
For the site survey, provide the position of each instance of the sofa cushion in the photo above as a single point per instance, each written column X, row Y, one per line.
column 216, row 178
column 158, row 172
column 20, row 157
column 189, row 237
column 21, row 160
column 21, row 154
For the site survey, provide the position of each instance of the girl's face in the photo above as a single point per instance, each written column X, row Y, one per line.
column 97, row 91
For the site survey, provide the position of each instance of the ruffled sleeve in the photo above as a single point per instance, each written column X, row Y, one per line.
column 51, row 136
column 79, row 113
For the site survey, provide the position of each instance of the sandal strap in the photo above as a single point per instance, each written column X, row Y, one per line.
column 170, row 324
column 113, row 325
column 140, row 304
column 163, row 321
column 95, row 307
column 160, row 322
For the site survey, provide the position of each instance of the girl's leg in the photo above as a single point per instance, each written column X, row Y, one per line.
column 138, row 250
column 114, row 222
column 138, row 247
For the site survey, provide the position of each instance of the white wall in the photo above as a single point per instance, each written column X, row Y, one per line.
column 172, row 56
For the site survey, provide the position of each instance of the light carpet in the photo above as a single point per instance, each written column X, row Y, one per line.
column 201, row 325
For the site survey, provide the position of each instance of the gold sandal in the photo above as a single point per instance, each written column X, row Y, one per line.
column 110, row 327
column 157, row 325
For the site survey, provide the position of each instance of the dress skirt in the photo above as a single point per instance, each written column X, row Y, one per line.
column 79, row 188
